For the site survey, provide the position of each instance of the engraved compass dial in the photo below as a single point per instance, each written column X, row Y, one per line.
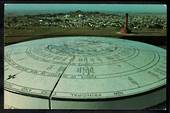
column 83, row 68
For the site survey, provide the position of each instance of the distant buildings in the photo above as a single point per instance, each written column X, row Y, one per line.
column 91, row 20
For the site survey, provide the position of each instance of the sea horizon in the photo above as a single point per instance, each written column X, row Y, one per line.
column 34, row 9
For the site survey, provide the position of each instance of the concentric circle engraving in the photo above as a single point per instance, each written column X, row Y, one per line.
column 83, row 67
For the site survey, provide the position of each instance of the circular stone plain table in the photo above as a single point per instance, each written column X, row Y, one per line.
column 84, row 72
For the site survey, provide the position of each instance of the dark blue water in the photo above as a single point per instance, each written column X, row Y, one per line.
column 110, row 8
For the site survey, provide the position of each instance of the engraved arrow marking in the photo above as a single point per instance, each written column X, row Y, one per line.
column 11, row 77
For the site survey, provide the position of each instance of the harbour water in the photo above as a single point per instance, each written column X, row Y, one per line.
column 107, row 8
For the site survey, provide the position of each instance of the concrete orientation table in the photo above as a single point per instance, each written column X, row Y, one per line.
column 83, row 72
